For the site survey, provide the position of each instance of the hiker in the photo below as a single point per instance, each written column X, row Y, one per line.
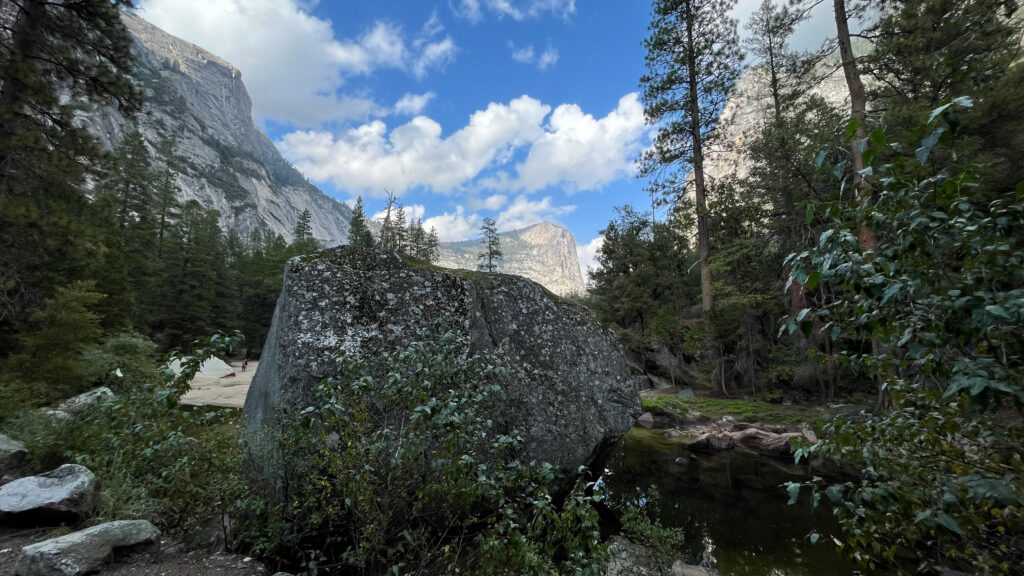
column 245, row 362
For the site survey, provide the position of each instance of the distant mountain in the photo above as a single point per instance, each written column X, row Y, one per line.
column 544, row 253
column 227, row 163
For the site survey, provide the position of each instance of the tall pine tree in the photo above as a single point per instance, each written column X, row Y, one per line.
column 359, row 235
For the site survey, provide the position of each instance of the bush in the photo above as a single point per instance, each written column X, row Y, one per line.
column 154, row 460
column 394, row 467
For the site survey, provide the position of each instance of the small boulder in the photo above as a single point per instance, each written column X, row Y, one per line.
column 712, row 442
column 12, row 454
column 685, row 393
column 628, row 559
column 778, row 445
column 65, row 494
column 646, row 420
column 84, row 551
column 83, row 401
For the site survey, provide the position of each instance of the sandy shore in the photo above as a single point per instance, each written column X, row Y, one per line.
column 222, row 392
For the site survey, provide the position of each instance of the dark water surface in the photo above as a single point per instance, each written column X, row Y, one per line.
column 729, row 504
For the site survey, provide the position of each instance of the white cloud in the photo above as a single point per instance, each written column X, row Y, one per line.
column 547, row 59
column 495, row 202
column 526, row 55
column 519, row 10
column 581, row 152
column 412, row 104
column 292, row 63
column 587, row 255
column 368, row 158
column 523, row 212
column 573, row 149
column 453, row 227
column 522, row 55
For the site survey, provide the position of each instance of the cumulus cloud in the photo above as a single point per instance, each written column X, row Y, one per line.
column 412, row 104
column 519, row 10
column 412, row 212
column 293, row 64
column 453, row 227
column 587, row 255
column 573, row 149
column 524, row 212
column 414, row 154
column 526, row 55
column 581, row 152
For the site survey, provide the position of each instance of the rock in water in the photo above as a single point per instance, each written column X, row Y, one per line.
column 67, row 493
column 574, row 396
column 83, row 551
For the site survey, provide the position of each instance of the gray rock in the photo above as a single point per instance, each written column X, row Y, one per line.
column 84, row 551
column 12, row 454
column 572, row 383
column 65, row 494
column 628, row 559
column 712, row 442
column 646, row 420
column 686, row 393
column 83, row 401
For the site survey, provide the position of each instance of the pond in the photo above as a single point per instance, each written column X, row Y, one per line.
column 730, row 505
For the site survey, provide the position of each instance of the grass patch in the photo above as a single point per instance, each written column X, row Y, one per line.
column 745, row 410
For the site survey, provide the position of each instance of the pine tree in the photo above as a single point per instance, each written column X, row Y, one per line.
column 693, row 62
column 359, row 235
column 55, row 57
column 433, row 245
column 303, row 228
column 491, row 256
column 399, row 231
column 166, row 207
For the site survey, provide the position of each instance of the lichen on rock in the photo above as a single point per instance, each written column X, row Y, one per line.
column 571, row 394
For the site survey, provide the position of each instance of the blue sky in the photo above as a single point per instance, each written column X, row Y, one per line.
column 522, row 110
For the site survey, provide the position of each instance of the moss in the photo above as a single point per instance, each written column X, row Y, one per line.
column 746, row 410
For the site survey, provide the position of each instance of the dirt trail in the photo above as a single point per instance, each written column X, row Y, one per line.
column 221, row 392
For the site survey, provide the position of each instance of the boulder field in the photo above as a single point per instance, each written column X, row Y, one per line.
column 571, row 390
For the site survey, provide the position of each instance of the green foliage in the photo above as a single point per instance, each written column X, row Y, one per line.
column 942, row 298
column 359, row 235
column 395, row 467
column 50, row 366
column 661, row 546
column 124, row 360
column 303, row 228
column 153, row 460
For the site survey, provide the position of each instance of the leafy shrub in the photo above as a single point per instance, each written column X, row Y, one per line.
column 121, row 361
column 154, row 460
column 640, row 525
column 395, row 467
column 941, row 300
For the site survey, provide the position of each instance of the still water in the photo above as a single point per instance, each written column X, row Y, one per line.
column 730, row 505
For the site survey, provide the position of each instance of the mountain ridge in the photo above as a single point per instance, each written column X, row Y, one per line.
column 543, row 252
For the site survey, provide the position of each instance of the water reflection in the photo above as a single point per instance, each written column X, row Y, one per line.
column 729, row 505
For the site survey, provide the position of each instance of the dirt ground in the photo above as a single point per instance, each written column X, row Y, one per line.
column 170, row 559
column 222, row 392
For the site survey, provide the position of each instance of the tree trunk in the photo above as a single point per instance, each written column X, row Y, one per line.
column 858, row 110
column 700, row 189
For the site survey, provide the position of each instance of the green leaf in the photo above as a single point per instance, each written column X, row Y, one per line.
column 834, row 493
column 814, row 537
column 813, row 280
column 947, row 521
column 928, row 144
column 793, row 488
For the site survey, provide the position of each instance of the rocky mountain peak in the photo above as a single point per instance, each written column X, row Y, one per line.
column 199, row 100
column 544, row 253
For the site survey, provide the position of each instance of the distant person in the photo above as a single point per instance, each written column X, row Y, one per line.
column 245, row 364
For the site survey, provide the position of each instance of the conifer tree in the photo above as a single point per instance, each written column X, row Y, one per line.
column 359, row 235
column 491, row 256
column 693, row 62
column 54, row 58
column 303, row 228
column 433, row 245
column 166, row 207
column 399, row 231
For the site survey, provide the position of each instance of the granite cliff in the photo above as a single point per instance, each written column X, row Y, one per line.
column 226, row 162
column 544, row 253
